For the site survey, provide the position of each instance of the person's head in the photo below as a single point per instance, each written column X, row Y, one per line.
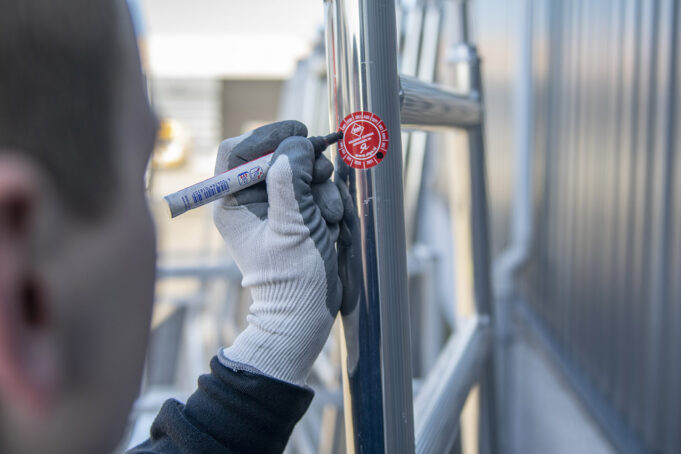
column 77, row 247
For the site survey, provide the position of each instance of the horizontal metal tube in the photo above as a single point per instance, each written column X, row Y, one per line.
column 425, row 105
column 416, row 265
column 438, row 405
column 225, row 270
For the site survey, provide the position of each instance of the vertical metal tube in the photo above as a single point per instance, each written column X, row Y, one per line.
column 362, row 68
column 518, row 253
column 481, row 260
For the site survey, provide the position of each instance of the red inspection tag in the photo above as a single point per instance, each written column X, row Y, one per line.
column 365, row 140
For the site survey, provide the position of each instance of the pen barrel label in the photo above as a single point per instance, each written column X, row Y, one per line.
column 365, row 140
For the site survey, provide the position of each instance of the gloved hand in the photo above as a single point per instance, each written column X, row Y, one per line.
column 282, row 237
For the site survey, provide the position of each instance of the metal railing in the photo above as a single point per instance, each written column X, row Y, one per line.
column 362, row 72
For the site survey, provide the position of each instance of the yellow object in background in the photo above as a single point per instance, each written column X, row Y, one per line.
column 172, row 145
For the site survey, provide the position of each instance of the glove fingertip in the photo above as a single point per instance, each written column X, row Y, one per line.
column 322, row 171
column 328, row 199
column 297, row 128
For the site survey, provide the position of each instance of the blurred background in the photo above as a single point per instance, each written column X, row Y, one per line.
column 584, row 178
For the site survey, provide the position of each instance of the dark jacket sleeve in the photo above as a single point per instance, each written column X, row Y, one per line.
column 230, row 412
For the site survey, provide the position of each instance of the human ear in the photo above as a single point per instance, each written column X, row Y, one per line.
column 27, row 360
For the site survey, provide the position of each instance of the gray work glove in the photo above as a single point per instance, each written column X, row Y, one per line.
column 281, row 235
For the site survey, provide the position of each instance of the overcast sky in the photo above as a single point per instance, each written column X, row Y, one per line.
column 229, row 38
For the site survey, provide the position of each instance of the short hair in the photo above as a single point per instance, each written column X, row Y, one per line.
column 57, row 62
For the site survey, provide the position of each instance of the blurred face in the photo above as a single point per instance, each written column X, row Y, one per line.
column 95, row 283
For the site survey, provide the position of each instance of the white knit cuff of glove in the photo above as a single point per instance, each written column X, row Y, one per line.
column 277, row 343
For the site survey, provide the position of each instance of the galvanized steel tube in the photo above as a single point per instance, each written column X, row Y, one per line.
column 362, row 68
column 481, row 262
column 426, row 105
column 438, row 406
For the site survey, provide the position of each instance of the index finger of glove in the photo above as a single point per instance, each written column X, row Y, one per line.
column 239, row 150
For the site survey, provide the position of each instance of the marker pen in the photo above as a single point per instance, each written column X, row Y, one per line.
column 233, row 180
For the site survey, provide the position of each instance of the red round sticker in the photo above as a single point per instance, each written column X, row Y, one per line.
column 365, row 140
